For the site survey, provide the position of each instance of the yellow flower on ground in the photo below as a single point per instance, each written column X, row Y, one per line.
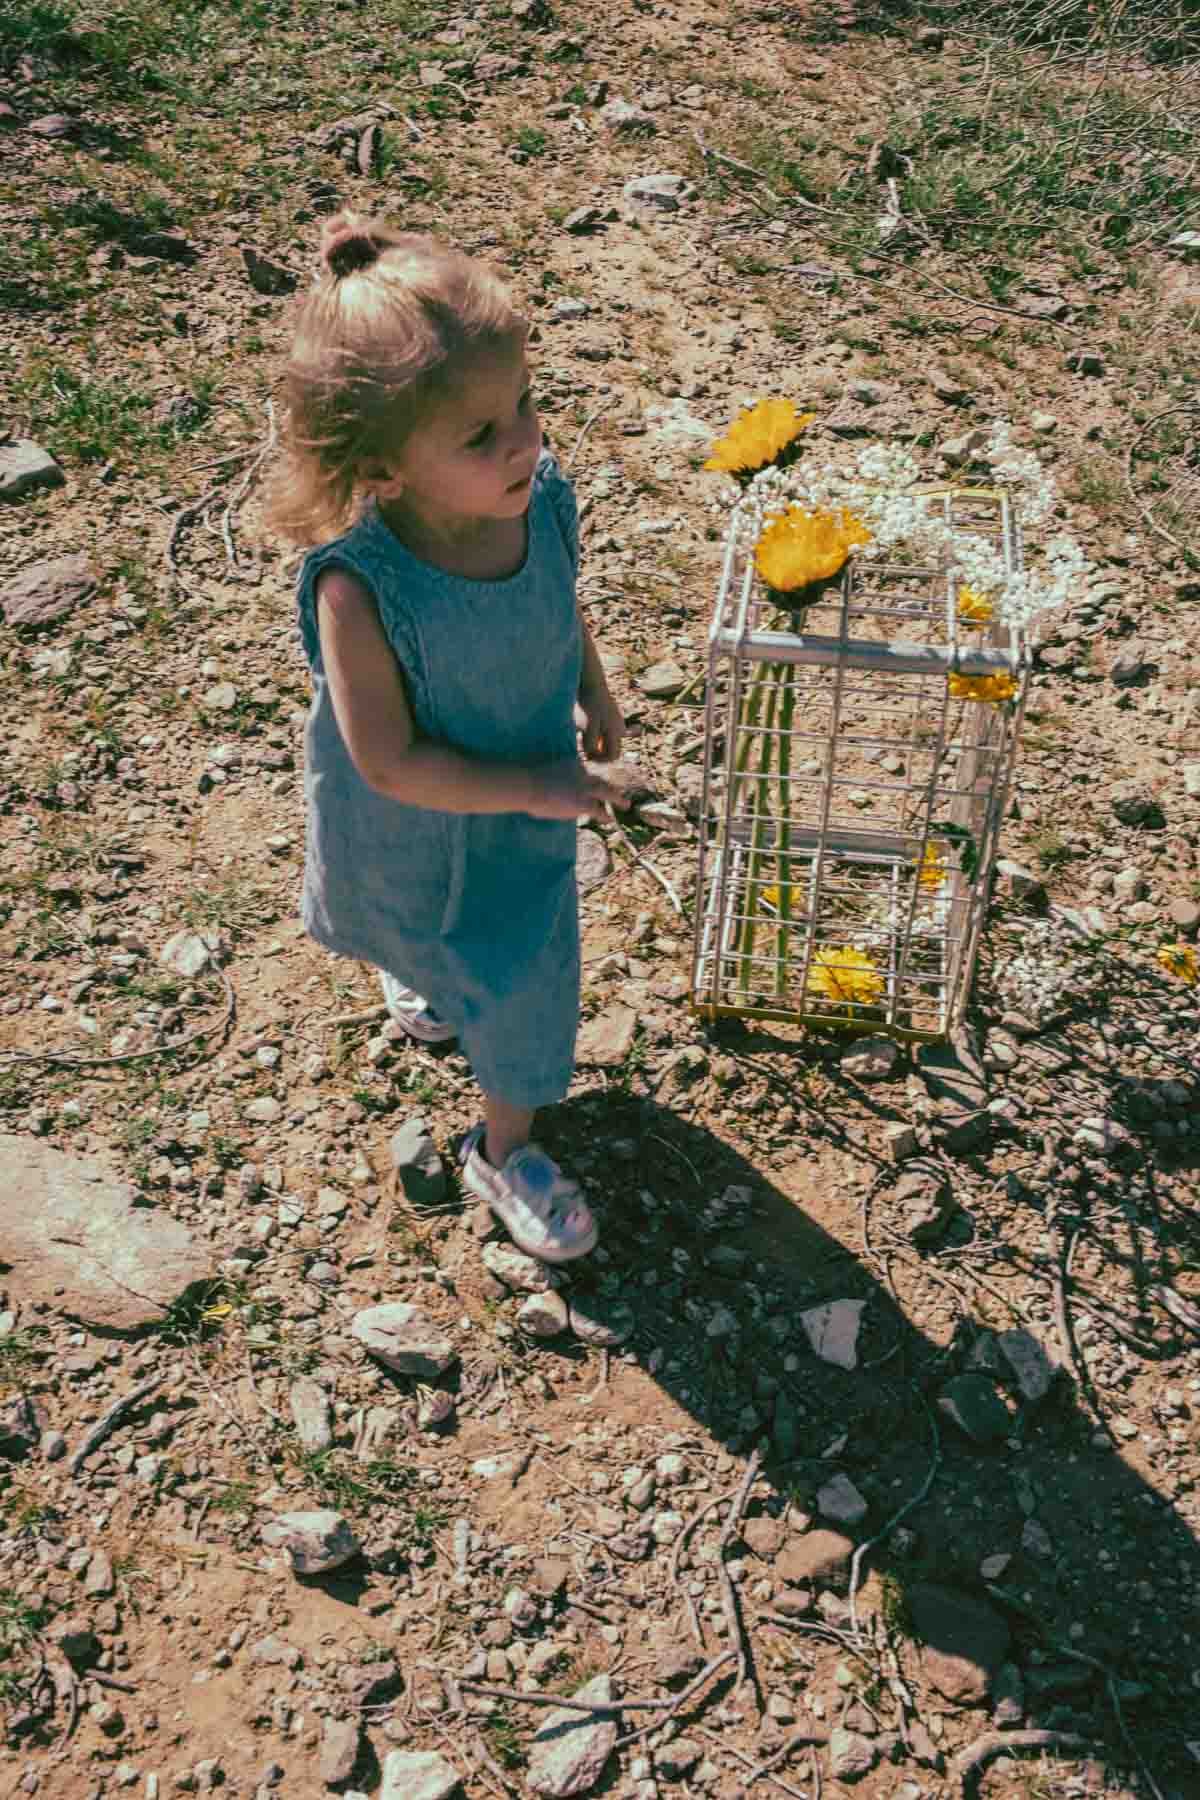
column 973, row 606
column 995, row 689
column 845, row 975
column 757, row 436
column 1181, row 961
column 932, row 872
column 799, row 547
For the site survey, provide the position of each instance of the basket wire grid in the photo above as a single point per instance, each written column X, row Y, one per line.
column 851, row 805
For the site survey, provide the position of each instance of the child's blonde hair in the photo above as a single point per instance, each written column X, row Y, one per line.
column 374, row 343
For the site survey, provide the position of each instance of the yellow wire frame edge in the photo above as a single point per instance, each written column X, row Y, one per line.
column 711, row 1010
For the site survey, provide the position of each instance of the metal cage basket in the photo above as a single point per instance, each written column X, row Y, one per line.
column 852, row 800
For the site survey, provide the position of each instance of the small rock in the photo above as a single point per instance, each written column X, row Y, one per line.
column 927, row 1202
column 310, row 1410
column 593, row 862
column 832, row 1331
column 764, row 1536
column 947, row 387
column 24, row 468
column 838, row 1499
column 265, row 276
column 570, row 1750
column 606, row 1040
column 1044, row 423
column 340, row 1745
column 1184, row 916
column 870, row 1058
column 582, row 220
column 403, row 1338
column 851, row 1756
column 275, row 1653
column 1134, row 804
column 602, row 1323
column 965, row 1641
column 1032, row 1367
column 667, row 192
column 221, row 697
column 1035, row 1540
column 620, row 115
column 524, row 1274
column 662, row 681
column 1131, row 663
column 673, row 1761
column 189, row 953
column 47, row 591
column 1008, row 1698
column 1191, row 780
column 418, row 1164
column 314, row 1541
column 418, row 1775
column 1016, row 882
column 543, row 1315
column 1084, row 362
column 974, row 1404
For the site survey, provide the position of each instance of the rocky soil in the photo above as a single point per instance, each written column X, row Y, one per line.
column 863, row 1454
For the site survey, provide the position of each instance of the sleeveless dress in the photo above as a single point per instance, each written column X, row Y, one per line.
column 478, row 912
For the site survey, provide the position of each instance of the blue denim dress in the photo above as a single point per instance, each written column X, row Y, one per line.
column 478, row 912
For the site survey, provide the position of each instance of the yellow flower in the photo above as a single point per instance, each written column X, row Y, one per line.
column 1181, row 961
column 845, row 975
column 974, row 606
column 757, row 436
column 932, row 872
column 995, row 689
column 799, row 547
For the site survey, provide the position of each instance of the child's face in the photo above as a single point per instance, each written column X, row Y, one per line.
column 474, row 457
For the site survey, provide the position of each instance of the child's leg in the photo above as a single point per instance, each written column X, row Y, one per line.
column 507, row 1129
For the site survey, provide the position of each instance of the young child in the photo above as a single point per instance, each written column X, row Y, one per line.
column 448, row 657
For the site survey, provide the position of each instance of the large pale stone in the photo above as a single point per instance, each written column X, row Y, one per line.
column 73, row 1238
column 569, row 1752
column 606, row 1040
column 404, row 1339
column 315, row 1541
column 832, row 1330
column 47, row 591
column 25, row 466
column 418, row 1775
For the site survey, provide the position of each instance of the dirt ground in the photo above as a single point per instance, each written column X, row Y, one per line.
column 550, row 1511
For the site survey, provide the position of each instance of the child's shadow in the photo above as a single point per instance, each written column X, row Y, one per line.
column 1043, row 1583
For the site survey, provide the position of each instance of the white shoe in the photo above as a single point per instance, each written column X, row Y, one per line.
column 413, row 1014
column 544, row 1212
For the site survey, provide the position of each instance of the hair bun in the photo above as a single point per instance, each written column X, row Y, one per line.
column 348, row 245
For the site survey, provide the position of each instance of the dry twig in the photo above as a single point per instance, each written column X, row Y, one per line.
column 109, row 1421
column 643, row 861
column 59, row 1059
column 967, row 1764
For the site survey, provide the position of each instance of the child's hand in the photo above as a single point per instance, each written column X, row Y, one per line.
column 566, row 790
column 603, row 726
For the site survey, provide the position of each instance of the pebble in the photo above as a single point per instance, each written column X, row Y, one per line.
column 570, row 1750
column 517, row 1270
column 666, row 192
column 24, row 468
column 418, row 1775
column 543, row 1315
column 404, row 1338
column 973, row 1402
column 314, row 1541
column 838, row 1499
column 871, row 1058
column 417, row 1163
column 662, row 681
column 851, row 1756
column 832, row 1331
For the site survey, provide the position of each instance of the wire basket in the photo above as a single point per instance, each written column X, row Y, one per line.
column 851, row 803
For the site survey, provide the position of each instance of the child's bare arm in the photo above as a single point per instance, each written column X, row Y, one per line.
column 376, row 723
